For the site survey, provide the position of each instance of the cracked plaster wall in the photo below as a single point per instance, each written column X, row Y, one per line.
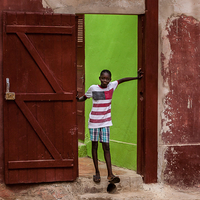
column 96, row 6
column 178, row 101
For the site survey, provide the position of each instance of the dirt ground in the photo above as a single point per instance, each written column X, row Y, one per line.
column 162, row 191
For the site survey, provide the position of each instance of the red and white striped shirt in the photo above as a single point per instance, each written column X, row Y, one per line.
column 100, row 116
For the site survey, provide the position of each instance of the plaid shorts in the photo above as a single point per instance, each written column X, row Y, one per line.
column 102, row 133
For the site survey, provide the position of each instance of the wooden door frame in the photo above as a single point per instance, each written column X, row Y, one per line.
column 147, row 156
column 81, row 68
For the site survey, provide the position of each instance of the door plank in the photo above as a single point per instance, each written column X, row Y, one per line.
column 31, row 88
column 41, row 64
column 24, row 164
column 49, row 59
column 23, row 131
column 12, row 138
column 42, row 151
column 39, row 29
column 58, row 139
column 44, row 97
column 38, row 129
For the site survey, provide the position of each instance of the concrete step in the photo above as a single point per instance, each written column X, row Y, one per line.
column 127, row 184
column 130, row 180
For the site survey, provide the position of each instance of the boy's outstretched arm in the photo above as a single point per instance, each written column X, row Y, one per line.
column 83, row 98
column 131, row 78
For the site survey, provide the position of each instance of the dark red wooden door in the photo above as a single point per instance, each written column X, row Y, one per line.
column 40, row 124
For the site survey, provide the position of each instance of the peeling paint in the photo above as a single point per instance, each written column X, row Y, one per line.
column 182, row 166
column 180, row 113
column 45, row 4
column 178, row 71
column 189, row 103
column 162, row 162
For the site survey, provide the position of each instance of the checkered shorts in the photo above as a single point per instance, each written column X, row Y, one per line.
column 102, row 133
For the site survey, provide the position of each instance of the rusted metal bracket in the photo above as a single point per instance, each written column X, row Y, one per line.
column 9, row 95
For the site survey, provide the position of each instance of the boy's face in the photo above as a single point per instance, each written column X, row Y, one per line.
column 105, row 79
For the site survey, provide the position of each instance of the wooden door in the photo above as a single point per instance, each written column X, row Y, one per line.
column 40, row 123
column 81, row 76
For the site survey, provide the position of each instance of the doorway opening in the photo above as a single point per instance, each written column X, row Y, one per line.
column 111, row 42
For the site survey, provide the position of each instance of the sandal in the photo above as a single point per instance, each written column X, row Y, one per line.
column 96, row 178
column 114, row 179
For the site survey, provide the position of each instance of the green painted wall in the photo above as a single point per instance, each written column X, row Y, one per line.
column 111, row 43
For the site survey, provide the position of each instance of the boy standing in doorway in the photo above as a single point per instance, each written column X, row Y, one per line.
column 100, row 119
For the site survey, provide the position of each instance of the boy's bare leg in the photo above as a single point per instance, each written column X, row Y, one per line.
column 106, row 149
column 95, row 157
column 111, row 177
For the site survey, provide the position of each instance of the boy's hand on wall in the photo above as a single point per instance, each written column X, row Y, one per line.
column 77, row 96
column 140, row 73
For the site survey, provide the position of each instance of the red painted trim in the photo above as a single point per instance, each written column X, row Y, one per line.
column 148, row 93
column 141, row 100
column 151, row 91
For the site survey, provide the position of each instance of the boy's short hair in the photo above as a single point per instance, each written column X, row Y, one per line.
column 105, row 71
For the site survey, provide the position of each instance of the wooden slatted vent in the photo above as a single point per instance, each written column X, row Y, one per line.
column 80, row 30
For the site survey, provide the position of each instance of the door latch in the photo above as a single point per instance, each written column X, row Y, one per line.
column 9, row 95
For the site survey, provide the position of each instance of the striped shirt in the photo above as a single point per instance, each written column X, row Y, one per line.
column 100, row 116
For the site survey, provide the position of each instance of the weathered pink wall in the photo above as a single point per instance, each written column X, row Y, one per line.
column 6, row 5
column 179, row 102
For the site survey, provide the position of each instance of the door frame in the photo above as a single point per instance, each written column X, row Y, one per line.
column 147, row 155
column 147, row 144
column 80, row 49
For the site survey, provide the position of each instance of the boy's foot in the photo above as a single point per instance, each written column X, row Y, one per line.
column 114, row 179
column 96, row 178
